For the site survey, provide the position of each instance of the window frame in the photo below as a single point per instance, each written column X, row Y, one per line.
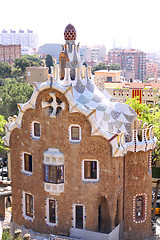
column 47, row 219
column 74, row 215
column 23, row 163
column 70, row 133
column 51, row 166
column 33, row 130
column 29, row 217
column 142, row 218
column 83, row 171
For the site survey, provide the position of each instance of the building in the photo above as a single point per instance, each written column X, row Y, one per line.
column 76, row 161
column 28, row 40
column 151, row 69
column 36, row 74
column 8, row 53
column 147, row 92
column 114, row 56
column 132, row 61
column 108, row 75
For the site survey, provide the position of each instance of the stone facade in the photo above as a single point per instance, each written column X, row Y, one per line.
column 72, row 172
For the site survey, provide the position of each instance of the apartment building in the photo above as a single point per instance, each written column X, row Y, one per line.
column 151, row 69
column 9, row 52
column 131, row 61
column 28, row 40
column 134, row 60
column 114, row 56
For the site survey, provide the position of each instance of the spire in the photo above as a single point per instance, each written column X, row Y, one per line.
column 70, row 32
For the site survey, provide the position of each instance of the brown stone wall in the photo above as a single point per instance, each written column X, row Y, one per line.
column 137, row 181
column 54, row 134
column 2, row 206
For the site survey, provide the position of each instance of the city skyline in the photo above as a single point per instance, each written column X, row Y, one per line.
column 119, row 23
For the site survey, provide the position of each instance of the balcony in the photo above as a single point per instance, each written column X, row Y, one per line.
column 54, row 189
column 53, row 171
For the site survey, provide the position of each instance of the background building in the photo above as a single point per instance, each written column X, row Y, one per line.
column 108, row 76
column 134, row 60
column 28, row 40
column 9, row 52
column 131, row 61
column 114, row 56
column 36, row 74
column 151, row 69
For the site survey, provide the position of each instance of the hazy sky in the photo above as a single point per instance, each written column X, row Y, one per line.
column 96, row 22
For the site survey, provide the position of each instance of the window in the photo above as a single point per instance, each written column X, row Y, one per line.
column 27, row 162
column 36, row 130
column 52, row 211
column 75, row 133
column 28, row 208
column 53, row 174
column 139, row 207
column 79, row 215
column 90, row 170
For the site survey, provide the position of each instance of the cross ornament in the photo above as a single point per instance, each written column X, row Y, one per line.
column 56, row 105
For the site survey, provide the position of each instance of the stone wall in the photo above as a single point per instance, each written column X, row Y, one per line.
column 138, row 182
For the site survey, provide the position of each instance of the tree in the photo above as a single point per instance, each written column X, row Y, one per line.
column 100, row 66
column 114, row 66
column 17, row 72
column 27, row 61
column 21, row 63
column 11, row 93
column 2, row 122
column 49, row 62
column 5, row 70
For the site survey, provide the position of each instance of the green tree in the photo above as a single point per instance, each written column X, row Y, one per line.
column 114, row 66
column 49, row 62
column 2, row 122
column 5, row 70
column 100, row 66
column 17, row 72
column 27, row 61
column 11, row 93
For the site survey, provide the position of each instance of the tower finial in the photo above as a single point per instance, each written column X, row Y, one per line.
column 70, row 32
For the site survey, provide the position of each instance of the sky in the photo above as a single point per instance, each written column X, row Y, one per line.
column 120, row 23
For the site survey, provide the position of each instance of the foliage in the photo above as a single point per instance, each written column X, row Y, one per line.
column 5, row 69
column 114, row 66
column 13, row 92
column 100, row 66
column 150, row 115
column 6, row 236
column 27, row 61
column 2, row 122
column 49, row 62
column 17, row 72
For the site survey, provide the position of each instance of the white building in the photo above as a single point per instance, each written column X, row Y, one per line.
column 28, row 40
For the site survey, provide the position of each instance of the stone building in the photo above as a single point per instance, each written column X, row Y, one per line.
column 8, row 53
column 79, row 160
